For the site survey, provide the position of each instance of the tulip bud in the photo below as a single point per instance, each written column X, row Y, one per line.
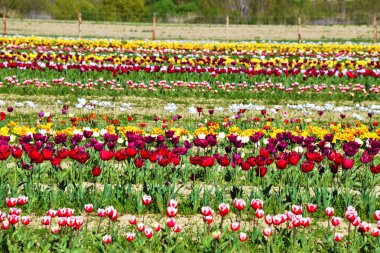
column 259, row 213
column 62, row 221
column 257, row 204
column 170, row 222
column 329, row 211
column 376, row 215
column 140, row 227
column 52, row 213
column 235, row 226
column 130, row 237
column 11, row 202
column 375, row 232
column 223, row 209
column 146, row 200
column 335, row 221
column 239, row 204
column 297, row 210
column 148, row 232
column 171, row 211
column 107, row 239
column 243, row 237
column 46, row 220
column 88, row 208
column 5, row 225
column 101, row 213
column 25, row 220
column 216, row 235
column 132, row 220
column 70, row 221
column 176, row 228
column 157, row 227
column 208, row 219
column 55, row 230
column 268, row 219
column 173, row 203
column 338, row 237
column 22, row 200
column 206, row 211
column 311, row 208
column 14, row 211
column 267, row 231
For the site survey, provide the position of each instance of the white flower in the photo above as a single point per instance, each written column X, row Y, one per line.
column 12, row 138
column 358, row 140
column 120, row 140
column 103, row 131
column 221, row 135
column 192, row 110
column 47, row 114
column 357, row 116
column 2, row 103
column 43, row 131
column 298, row 149
column 201, row 136
column 219, row 109
column 95, row 134
column 19, row 104
column 244, row 139
column 171, row 107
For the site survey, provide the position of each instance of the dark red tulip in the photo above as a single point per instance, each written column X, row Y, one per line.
column 347, row 163
column 307, row 166
column 96, row 171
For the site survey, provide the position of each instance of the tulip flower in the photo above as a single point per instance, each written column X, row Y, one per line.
column 25, row 220
column 338, row 237
column 157, row 227
column 235, row 226
column 239, row 204
column 311, row 208
column 22, row 200
column 132, row 220
column 267, row 232
column 140, row 227
column 216, row 235
column 170, row 222
column 107, row 239
column 243, row 236
column 130, row 237
column 375, row 232
column 46, row 220
column 376, row 215
column 88, row 208
column 5, row 224
column 259, row 213
column 257, row 204
column 176, row 228
column 329, row 211
column 11, row 202
column 335, row 221
column 173, row 203
column 146, row 200
column 148, row 232
column 55, row 230
column 171, row 211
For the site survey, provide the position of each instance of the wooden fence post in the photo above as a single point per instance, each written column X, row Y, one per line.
column 79, row 25
column 374, row 28
column 227, row 27
column 299, row 30
column 4, row 22
column 154, row 27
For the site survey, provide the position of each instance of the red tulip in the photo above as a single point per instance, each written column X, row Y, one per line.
column 130, row 237
column 146, row 200
column 140, row 227
column 335, row 221
column 239, row 204
column 22, row 200
column 297, row 210
column 46, row 220
column 261, row 171
column 102, row 212
column 55, row 230
column 173, row 203
column 176, row 228
column 257, row 204
column 96, row 171
column 11, row 202
column 375, row 232
column 235, row 226
column 347, row 163
column 223, row 209
column 25, row 220
column 243, row 237
column 5, row 225
column 268, row 219
column 171, row 211
column 259, row 213
column 375, row 169
column 311, row 208
column 107, row 239
column 329, row 211
column 52, row 213
column 148, row 233
column 267, row 231
column 305, row 222
column 281, row 164
column 216, row 235
column 206, row 211
column 132, row 220
column 338, row 237
column 307, row 166
column 13, row 219
column 14, row 211
column 170, row 222
column 356, row 222
column 88, row 208
column 376, row 215
column 296, row 221
column 70, row 221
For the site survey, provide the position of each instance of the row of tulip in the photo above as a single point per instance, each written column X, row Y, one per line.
column 242, row 227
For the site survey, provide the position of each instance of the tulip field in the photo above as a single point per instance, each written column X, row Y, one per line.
column 170, row 146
